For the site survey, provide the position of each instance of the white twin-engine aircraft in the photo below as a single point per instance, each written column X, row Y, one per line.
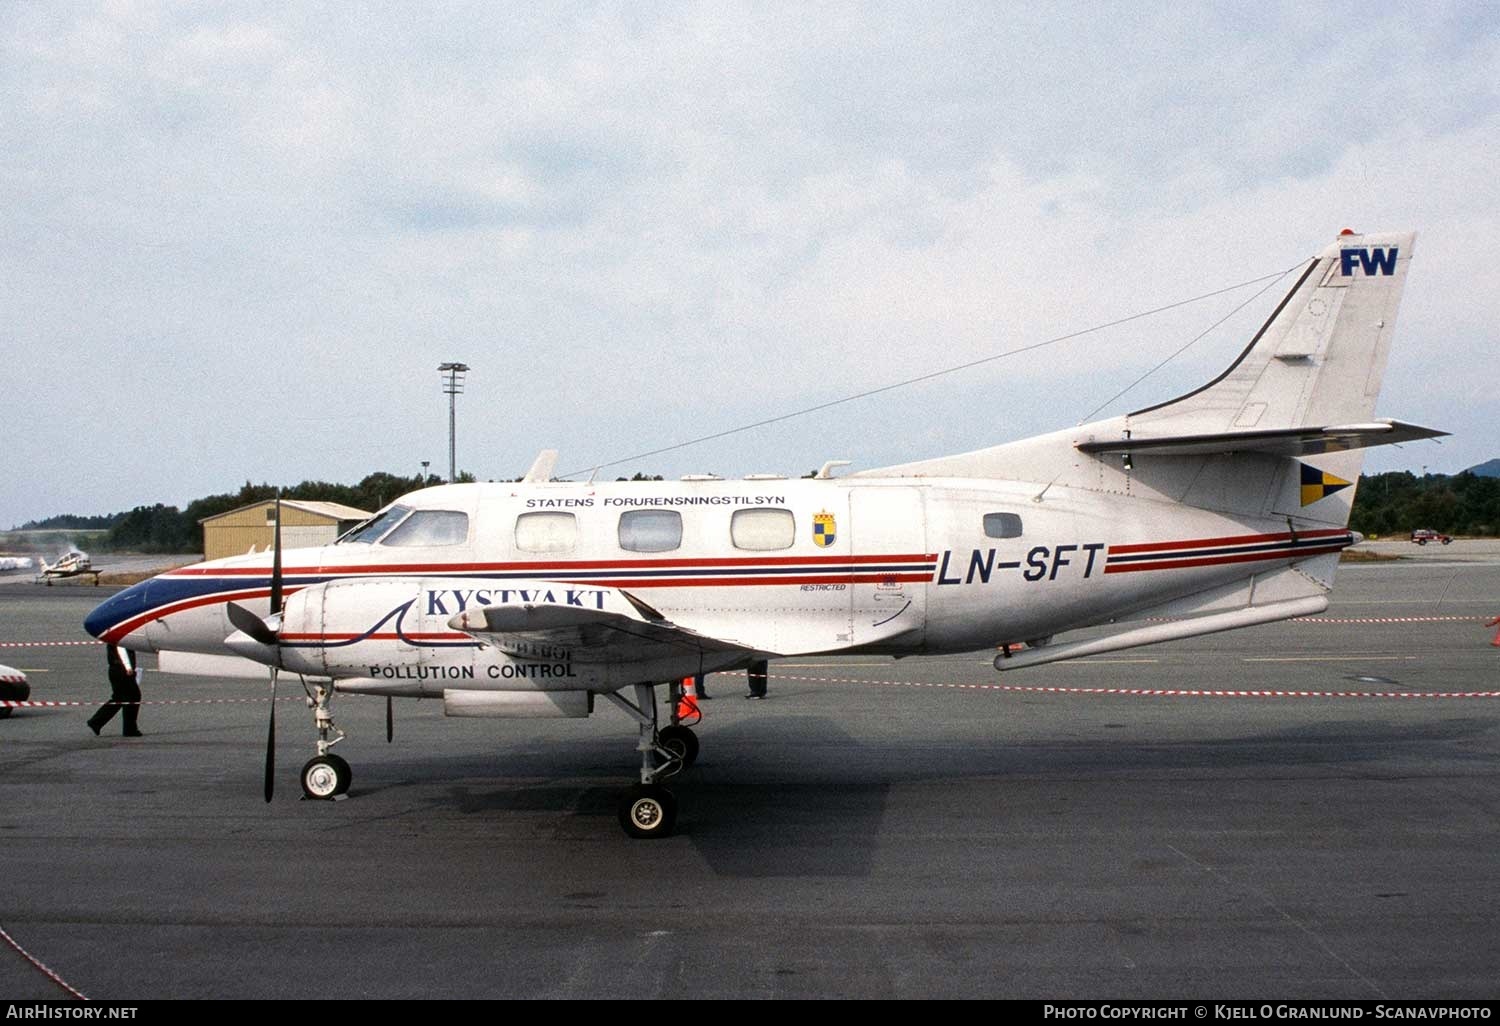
column 1225, row 508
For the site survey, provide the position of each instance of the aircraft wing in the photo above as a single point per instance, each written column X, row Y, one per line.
column 537, row 629
column 1305, row 441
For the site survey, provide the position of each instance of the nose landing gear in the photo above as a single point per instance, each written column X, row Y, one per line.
column 326, row 776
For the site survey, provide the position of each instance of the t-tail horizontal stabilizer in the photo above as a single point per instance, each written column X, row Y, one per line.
column 1294, row 442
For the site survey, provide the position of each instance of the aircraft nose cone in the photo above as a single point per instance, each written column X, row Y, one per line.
column 116, row 609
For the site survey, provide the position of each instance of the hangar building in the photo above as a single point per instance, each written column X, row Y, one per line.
column 303, row 524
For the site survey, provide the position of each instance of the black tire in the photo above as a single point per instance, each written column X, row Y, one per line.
column 326, row 777
column 1421, row 541
column 1447, row 540
column 5, row 712
column 647, row 812
column 681, row 742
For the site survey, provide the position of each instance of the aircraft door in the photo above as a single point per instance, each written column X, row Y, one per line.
column 888, row 529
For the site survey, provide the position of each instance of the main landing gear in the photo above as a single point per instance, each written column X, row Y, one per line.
column 648, row 810
column 326, row 776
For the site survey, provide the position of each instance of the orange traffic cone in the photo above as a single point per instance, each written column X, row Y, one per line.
column 687, row 705
column 1493, row 623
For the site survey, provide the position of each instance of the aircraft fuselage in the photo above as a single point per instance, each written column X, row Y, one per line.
column 778, row 567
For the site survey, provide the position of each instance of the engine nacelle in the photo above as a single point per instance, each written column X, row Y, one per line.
column 519, row 705
column 392, row 635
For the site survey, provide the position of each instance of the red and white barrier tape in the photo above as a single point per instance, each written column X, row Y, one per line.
column 40, row 966
column 1389, row 619
column 46, row 644
column 1033, row 689
column 1147, row 692
column 90, row 703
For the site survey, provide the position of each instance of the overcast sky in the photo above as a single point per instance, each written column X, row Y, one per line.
column 236, row 240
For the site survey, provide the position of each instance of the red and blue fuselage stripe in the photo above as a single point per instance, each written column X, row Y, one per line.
column 198, row 586
column 1224, row 551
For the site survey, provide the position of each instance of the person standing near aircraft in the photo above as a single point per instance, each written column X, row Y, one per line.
column 124, row 695
column 758, row 673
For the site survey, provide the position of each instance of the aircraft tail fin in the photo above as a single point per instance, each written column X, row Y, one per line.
column 1294, row 412
column 1317, row 361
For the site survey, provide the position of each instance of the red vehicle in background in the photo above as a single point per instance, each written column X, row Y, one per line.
column 1423, row 535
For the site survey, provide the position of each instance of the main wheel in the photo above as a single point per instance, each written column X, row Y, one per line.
column 326, row 776
column 681, row 742
column 648, row 811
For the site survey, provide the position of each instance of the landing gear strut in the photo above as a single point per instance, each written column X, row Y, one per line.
column 326, row 776
column 648, row 810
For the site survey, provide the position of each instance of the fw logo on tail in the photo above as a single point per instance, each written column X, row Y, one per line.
column 1372, row 261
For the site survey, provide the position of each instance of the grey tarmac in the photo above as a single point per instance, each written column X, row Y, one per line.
column 875, row 829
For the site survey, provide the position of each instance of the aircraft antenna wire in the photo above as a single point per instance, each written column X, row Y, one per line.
column 1266, row 281
column 1190, row 343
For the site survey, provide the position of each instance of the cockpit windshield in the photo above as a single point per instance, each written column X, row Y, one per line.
column 371, row 530
column 430, row 527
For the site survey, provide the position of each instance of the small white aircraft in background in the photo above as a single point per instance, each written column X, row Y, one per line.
column 1224, row 508
column 70, row 564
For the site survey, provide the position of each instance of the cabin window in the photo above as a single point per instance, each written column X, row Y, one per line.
column 427, row 527
column 371, row 530
column 651, row 530
column 762, row 529
column 546, row 532
column 1002, row 525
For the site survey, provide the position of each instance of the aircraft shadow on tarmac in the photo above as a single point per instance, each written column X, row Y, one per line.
column 755, row 807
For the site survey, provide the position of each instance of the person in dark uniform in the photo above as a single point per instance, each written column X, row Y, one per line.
column 124, row 695
column 759, row 672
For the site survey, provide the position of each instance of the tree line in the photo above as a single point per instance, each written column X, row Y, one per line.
column 162, row 528
column 1386, row 504
column 1396, row 503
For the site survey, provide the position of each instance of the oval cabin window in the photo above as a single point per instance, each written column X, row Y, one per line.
column 760, row 530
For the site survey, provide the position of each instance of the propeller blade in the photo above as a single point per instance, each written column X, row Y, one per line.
column 270, row 787
column 251, row 624
column 275, row 562
column 390, row 721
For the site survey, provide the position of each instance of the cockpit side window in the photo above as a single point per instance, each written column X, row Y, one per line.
column 430, row 527
column 1002, row 525
column 546, row 532
column 370, row 531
